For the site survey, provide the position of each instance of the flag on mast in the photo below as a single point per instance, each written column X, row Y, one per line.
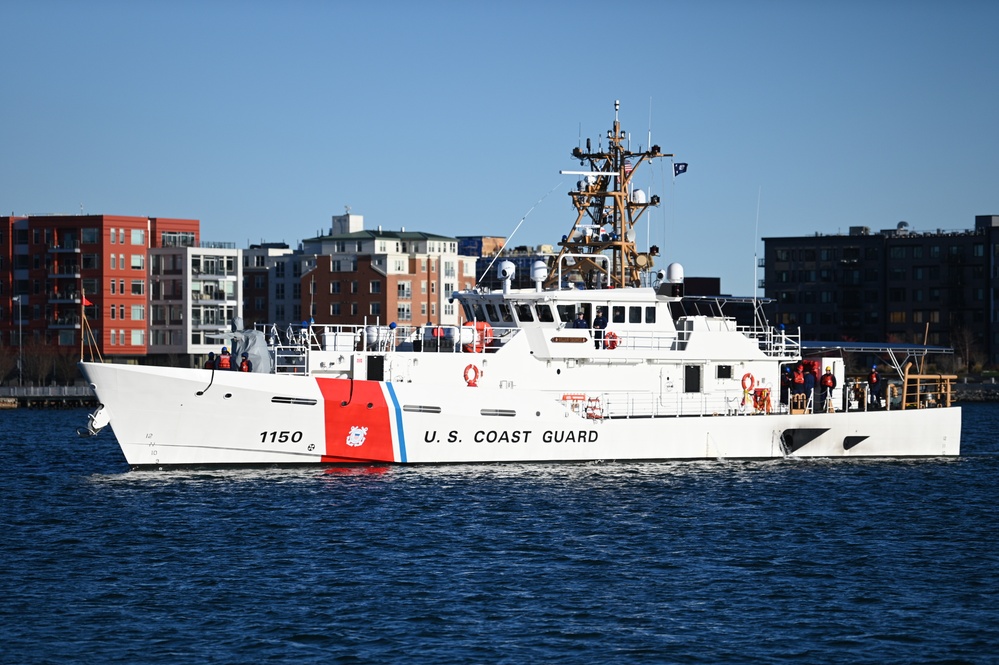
column 678, row 168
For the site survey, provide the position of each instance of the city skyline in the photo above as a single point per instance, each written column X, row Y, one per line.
column 264, row 121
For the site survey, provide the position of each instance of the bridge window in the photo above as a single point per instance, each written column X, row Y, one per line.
column 544, row 313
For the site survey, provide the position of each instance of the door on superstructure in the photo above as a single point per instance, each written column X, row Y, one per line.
column 691, row 378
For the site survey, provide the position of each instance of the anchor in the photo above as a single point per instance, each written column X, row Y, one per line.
column 96, row 421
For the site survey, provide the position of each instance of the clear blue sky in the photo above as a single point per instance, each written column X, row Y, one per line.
column 264, row 119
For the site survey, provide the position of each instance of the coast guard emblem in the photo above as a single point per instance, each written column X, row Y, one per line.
column 356, row 436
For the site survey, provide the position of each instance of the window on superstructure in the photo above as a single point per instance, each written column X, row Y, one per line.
column 650, row 314
column 566, row 313
column 634, row 314
column 524, row 313
column 505, row 314
column 723, row 372
column 617, row 314
column 491, row 312
column 544, row 313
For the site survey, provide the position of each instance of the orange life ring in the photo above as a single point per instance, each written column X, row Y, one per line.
column 748, row 381
column 483, row 337
column 472, row 376
column 610, row 340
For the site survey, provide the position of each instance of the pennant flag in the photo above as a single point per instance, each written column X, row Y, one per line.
column 86, row 303
column 678, row 168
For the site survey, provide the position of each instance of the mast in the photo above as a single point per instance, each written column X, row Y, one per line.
column 607, row 210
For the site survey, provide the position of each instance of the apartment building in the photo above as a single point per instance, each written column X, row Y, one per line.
column 56, row 270
column 898, row 284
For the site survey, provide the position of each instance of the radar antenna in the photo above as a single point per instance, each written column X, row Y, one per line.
column 607, row 210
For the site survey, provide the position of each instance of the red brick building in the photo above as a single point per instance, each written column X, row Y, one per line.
column 64, row 265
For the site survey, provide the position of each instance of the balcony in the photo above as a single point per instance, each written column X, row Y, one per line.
column 65, row 272
column 65, row 248
column 64, row 323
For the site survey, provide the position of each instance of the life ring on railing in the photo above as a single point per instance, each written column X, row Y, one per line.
column 610, row 340
column 482, row 337
column 472, row 376
column 748, row 381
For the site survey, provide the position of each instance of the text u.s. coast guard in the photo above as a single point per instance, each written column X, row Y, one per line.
column 513, row 436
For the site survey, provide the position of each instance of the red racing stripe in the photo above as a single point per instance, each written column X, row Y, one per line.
column 358, row 425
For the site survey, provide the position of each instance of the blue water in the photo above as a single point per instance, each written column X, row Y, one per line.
column 706, row 562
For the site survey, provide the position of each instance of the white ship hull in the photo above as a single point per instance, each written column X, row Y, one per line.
column 160, row 419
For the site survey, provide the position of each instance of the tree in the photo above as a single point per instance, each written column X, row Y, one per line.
column 38, row 360
column 8, row 361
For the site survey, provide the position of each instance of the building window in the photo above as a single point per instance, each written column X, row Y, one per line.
column 138, row 337
column 138, row 312
column 112, row 308
column 112, row 287
column 138, row 261
column 376, row 286
column 139, row 237
column 114, row 262
column 121, row 312
column 335, row 309
column 353, row 287
column 114, row 335
column 375, row 309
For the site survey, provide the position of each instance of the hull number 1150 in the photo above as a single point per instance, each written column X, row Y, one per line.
column 280, row 437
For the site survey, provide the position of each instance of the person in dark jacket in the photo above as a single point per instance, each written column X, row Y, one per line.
column 874, row 387
column 827, row 384
column 599, row 323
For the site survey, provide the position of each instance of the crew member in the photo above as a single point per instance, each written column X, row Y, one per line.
column 798, row 379
column 245, row 365
column 785, row 384
column 581, row 321
column 210, row 363
column 224, row 361
column 599, row 323
column 828, row 383
column 810, row 387
column 874, row 384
